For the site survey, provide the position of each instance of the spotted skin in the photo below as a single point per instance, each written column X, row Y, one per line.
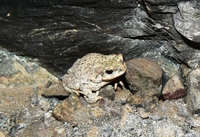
column 91, row 72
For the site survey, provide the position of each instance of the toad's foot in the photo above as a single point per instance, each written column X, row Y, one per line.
column 119, row 83
column 92, row 97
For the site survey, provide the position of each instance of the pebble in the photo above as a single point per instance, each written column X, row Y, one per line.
column 122, row 96
column 143, row 113
column 45, row 105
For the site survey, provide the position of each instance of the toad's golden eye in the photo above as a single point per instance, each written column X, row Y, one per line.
column 109, row 71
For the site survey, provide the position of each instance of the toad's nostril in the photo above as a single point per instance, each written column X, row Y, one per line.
column 109, row 71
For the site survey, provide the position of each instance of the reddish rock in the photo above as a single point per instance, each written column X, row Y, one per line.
column 144, row 75
column 174, row 88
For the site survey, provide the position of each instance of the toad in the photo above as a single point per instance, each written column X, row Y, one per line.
column 91, row 72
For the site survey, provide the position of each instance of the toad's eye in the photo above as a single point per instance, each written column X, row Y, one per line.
column 109, row 71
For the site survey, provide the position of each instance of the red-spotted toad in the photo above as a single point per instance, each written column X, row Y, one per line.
column 91, row 72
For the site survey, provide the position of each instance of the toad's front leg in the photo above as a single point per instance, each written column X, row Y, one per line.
column 91, row 97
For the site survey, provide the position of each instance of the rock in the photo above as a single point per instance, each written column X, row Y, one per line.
column 60, row 132
column 174, row 88
column 169, row 67
column 66, row 111
column 165, row 128
column 173, row 54
column 21, row 83
column 195, row 122
column 125, row 115
column 110, row 107
column 45, row 105
column 142, row 112
column 107, row 92
column 144, row 76
column 122, row 96
column 59, row 32
column 176, row 111
column 133, row 24
column 2, row 134
column 94, row 132
column 186, row 20
column 97, row 112
column 37, row 128
column 193, row 97
column 147, row 102
column 55, row 90
column 19, row 71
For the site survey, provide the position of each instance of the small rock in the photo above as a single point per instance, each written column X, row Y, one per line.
column 175, row 110
column 174, row 88
column 97, row 112
column 38, row 128
column 142, row 112
column 47, row 117
column 65, row 111
column 166, row 129
column 110, row 107
column 193, row 97
column 195, row 121
column 122, row 96
column 107, row 92
column 55, row 90
column 94, row 132
column 125, row 115
column 34, row 97
column 45, row 105
column 59, row 132
column 147, row 102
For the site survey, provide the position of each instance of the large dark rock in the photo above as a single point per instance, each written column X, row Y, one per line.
column 59, row 32
column 187, row 20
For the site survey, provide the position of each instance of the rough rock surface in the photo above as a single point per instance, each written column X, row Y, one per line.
column 55, row 89
column 186, row 21
column 145, row 78
column 141, row 70
column 67, row 110
column 56, row 33
column 24, row 112
column 193, row 98
column 59, row 32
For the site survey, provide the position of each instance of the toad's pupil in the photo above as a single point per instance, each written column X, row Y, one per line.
column 109, row 71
